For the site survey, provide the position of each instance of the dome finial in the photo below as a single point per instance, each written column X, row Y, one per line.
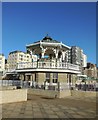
column 47, row 37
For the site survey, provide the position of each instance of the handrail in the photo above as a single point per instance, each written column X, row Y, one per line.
column 39, row 64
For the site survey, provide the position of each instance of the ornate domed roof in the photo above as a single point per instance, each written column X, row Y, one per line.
column 49, row 39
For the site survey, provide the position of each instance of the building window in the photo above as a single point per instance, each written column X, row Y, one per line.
column 55, row 77
column 48, row 77
column 21, row 58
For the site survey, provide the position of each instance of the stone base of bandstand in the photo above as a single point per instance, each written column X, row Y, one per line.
column 62, row 93
column 50, row 93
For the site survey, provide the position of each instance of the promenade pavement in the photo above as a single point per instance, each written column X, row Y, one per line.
column 42, row 107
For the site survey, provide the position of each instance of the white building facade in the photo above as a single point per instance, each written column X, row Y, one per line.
column 16, row 57
column 77, row 56
column 2, row 62
column 84, row 60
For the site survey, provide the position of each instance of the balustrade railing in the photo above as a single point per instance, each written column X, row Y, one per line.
column 59, row 65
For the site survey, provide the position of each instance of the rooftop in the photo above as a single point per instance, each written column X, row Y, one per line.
column 17, row 51
column 48, row 39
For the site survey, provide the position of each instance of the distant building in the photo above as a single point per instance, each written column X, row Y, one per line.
column 16, row 57
column 77, row 57
column 91, row 70
column 2, row 62
column 6, row 65
column 84, row 60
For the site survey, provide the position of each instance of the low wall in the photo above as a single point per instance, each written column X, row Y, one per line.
column 78, row 93
column 49, row 93
column 8, row 96
column 7, row 87
column 63, row 93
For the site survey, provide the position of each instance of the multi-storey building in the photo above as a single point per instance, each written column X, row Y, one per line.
column 6, row 65
column 91, row 70
column 16, row 57
column 77, row 57
column 84, row 60
column 2, row 63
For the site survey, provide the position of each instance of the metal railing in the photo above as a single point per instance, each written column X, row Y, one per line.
column 35, row 85
column 87, row 87
column 59, row 65
column 47, row 86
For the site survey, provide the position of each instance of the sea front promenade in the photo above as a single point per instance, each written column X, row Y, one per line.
column 45, row 107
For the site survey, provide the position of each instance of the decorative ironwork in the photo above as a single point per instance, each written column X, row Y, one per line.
column 38, row 64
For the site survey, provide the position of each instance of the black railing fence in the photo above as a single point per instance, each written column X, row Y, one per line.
column 57, row 86
column 87, row 87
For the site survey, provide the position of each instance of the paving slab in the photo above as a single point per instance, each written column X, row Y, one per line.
column 39, row 107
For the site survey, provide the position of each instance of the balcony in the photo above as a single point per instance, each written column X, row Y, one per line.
column 48, row 65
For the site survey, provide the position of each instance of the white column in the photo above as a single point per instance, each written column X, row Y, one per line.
column 61, row 58
column 31, row 52
column 63, row 55
column 66, row 56
column 56, row 53
column 43, row 52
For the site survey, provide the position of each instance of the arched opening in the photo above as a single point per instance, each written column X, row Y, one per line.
column 38, row 52
column 50, row 53
column 59, row 54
